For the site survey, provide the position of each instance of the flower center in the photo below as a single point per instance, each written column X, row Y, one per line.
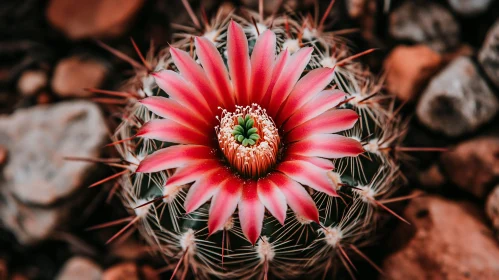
column 249, row 140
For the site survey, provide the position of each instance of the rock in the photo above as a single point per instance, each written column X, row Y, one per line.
column 473, row 165
column 72, row 75
column 408, row 68
column 92, row 18
column 31, row 82
column 38, row 139
column 446, row 240
column 129, row 271
column 489, row 54
column 427, row 23
column 79, row 268
column 432, row 177
column 492, row 207
column 469, row 7
column 3, row 155
column 457, row 100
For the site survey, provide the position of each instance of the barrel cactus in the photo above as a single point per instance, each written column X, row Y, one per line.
column 257, row 146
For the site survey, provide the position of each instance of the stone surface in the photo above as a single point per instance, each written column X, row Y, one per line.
column 473, row 165
column 492, row 207
column 92, row 18
column 79, row 268
column 72, row 75
column 32, row 81
column 408, row 68
column 446, row 240
column 38, row 139
column 469, row 7
column 489, row 54
column 457, row 100
column 431, row 177
column 129, row 271
column 427, row 23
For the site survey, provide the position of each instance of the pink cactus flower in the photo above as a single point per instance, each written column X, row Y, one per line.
column 250, row 135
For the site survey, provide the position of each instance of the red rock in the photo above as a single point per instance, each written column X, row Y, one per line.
column 92, row 18
column 408, row 69
column 447, row 240
column 129, row 271
column 72, row 75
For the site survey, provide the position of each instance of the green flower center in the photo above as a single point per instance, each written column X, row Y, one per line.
column 244, row 132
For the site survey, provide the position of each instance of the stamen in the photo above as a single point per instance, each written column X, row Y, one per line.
column 249, row 140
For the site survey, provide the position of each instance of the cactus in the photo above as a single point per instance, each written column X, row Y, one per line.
column 257, row 146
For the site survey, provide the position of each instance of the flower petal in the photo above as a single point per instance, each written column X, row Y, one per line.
column 224, row 203
column 323, row 163
column 251, row 212
column 296, row 196
column 216, row 70
column 169, row 131
column 327, row 145
column 204, row 188
column 173, row 157
column 194, row 74
column 182, row 92
column 192, row 172
column 288, row 78
column 238, row 62
column 324, row 101
column 262, row 62
column 306, row 88
column 273, row 199
column 279, row 65
column 307, row 174
column 170, row 109
column 332, row 121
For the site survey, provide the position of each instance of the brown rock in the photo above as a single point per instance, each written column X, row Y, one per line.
column 3, row 155
column 79, row 268
column 38, row 139
column 92, row 18
column 408, row 68
column 492, row 207
column 432, row 177
column 72, row 75
column 473, row 165
column 32, row 81
column 129, row 271
column 448, row 242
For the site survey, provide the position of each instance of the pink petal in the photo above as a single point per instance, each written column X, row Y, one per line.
column 262, row 62
column 205, row 187
column 288, row 78
column 182, row 92
column 296, row 196
column 324, row 101
column 251, row 212
column 327, row 145
column 192, row 172
column 273, row 199
column 306, row 88
column 323, row 163
column 279, row 65
column 216, row 70
column 173, row 157
column 308, row 174
column 169, row 109
column 238, row 62
column 224, row 203
column 195, row 75
column 169, row 131
column 332, row 121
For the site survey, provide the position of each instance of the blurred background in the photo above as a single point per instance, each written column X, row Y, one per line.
column 440, row 59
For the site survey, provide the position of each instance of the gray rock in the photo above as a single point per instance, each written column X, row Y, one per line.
column 430, row 24
column 473, row 165
column 79, row 268
column 492, row 207
column 469, row 7
column 38, row 139
column 489, row 54
column 457, row 100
